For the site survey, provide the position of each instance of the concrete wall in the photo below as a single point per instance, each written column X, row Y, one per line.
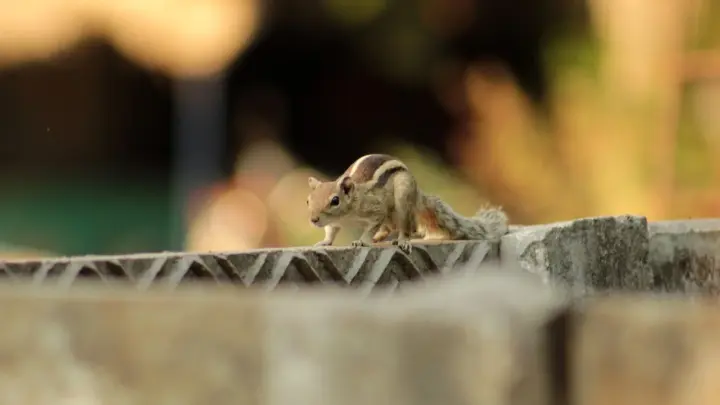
column 517, row 323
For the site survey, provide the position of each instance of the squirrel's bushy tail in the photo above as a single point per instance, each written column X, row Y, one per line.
column 489, row 223
column 494, row 220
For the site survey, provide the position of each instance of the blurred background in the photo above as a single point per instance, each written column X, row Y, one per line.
column 149, row 125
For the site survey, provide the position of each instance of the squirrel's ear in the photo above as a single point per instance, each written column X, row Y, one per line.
column 346, row 184
column 313, row 182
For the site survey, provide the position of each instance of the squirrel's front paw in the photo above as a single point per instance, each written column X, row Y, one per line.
column 323, row 243
column 403, row 245
column 358, row 243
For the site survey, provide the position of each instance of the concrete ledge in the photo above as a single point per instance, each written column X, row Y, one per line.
column 588, row 254
column 363, row 268
column 685, row 255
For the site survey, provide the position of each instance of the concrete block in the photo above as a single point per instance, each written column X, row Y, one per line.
column 477, row 339
column 96, row 345
column 588, row 255
column 685, row 255
column 110, row 347
column 630, row 351
column 494, row 329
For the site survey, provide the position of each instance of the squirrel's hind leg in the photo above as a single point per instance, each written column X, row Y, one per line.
column 406, row 195
column 366, row 239
column 382, row 233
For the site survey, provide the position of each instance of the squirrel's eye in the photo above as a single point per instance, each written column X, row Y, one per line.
column 335, row 201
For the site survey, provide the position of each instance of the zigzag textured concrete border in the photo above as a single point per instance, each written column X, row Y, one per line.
column 363, row 268
column 588, row 255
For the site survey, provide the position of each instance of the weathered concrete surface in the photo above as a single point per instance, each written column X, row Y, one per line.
column 103, row 346
column 685, row 255
column 470, row 341
column 363, row 268
column 589, row 254
column 630, row 351
column 475, row 341
column 497, row 343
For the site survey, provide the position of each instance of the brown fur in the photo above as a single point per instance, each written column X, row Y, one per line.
column 363, row 169
column 380, row 194
column 428, row 219
column 490, row 223
column 376, row 192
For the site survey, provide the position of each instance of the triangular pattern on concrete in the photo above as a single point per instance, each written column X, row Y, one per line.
column 359, row 268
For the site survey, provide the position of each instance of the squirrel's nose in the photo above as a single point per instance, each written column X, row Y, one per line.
column 315, row 220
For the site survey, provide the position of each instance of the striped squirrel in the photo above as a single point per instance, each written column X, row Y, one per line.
column 379, row 193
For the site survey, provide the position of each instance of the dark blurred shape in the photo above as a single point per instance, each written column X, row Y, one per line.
column 90, row 110
column 85, row 145
column 331, row 82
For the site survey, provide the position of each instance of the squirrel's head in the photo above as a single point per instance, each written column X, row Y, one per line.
column 329, row 201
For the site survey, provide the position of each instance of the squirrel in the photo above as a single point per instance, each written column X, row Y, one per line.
column 379, row 192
